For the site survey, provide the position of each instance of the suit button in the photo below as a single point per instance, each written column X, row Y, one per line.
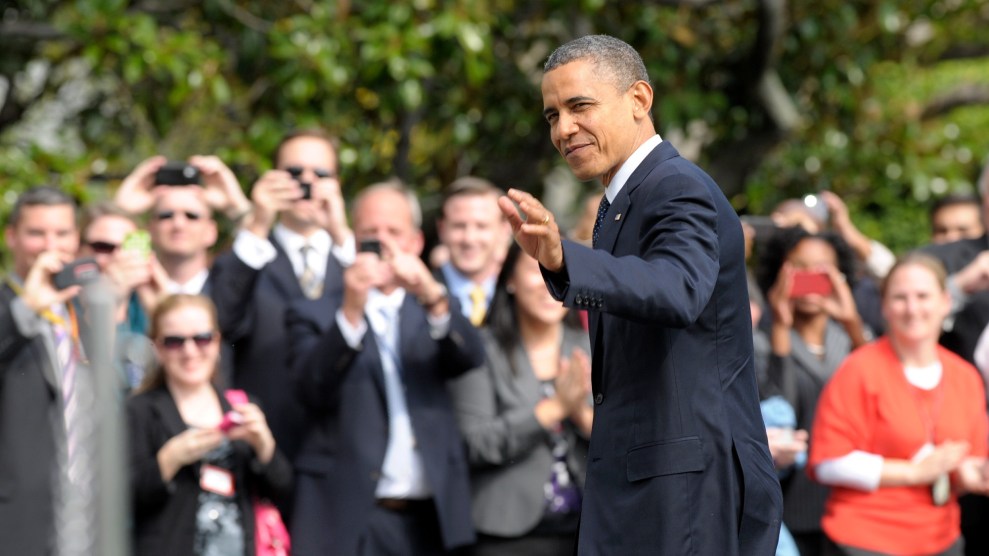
column 598, row 399
column 577, row 299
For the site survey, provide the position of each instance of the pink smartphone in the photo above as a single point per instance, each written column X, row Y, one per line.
column 808, row 282
column 231, row 418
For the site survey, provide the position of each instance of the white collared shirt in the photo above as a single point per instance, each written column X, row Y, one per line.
column 625, row 172
column 193, row 286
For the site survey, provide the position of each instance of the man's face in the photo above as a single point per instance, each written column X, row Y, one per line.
column 954, row 222
column 181, row 224
column 385, row 214
column 42, row 228
column 317, row 159
column 473, row 228
column 592, row 124
column 104, row 236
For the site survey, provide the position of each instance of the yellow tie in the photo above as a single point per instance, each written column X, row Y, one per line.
column 479, row 305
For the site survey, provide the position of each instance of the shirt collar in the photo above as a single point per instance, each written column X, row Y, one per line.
column 292, row 241
column 193, row 287
column 461, row 286
column 629, row 166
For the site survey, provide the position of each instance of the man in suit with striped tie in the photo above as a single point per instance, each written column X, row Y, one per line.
column 40, row 356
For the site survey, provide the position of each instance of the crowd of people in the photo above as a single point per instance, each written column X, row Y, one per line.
column 386, row 400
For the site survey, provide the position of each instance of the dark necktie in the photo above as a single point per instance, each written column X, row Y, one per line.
column 602, row 211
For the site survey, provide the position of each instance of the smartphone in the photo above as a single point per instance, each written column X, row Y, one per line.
column 807, row 282
column 296, row 172
column 138, row 240
column 817, row 207
column 763, row 226
column 231, row 418
column 77, row 273
column 370, row 245
column 177, row 173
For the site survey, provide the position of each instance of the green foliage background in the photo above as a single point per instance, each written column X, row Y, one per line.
column 429, row 90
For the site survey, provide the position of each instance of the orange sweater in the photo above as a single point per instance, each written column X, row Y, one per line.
column 868, row 405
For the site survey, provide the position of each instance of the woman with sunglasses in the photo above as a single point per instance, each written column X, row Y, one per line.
column 901, row 429
column 197, row 463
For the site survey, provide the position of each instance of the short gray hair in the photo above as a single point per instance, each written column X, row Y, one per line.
column 44, row 195
column 614, row 58
column 396, row 185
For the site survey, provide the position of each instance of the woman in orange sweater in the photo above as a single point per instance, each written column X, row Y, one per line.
column 901, row 428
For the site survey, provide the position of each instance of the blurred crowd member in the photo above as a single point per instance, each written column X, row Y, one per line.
column 130, row 269
column 583, row 230
column 476, row 235
column 40, row 355
column 382, row 469
column 194, row 481
column 292, row 247
column 526, row 417
column 900, row 428
column 967, row 264
column 956, row 217
column 181, row 217
column 811, row 334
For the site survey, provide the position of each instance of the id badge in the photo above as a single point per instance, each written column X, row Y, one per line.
column 216, row 480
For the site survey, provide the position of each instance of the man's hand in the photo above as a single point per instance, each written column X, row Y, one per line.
column 974, row 277
column 537, row 235
column 223, row 192
column 39, row 292
column 136, row 193
column 127, row 270
column 332, row 212
column 368, row 271
column 274, row 192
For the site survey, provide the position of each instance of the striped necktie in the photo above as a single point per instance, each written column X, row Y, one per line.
column 310, row 283
column 602, row 211
column 67, row 354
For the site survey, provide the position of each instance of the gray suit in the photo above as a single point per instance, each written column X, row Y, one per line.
column 507, row 449
column 31, row 428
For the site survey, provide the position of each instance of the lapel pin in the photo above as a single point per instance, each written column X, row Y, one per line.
column 618, row 217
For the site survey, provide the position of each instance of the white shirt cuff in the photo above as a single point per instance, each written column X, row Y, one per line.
column 353, row 335
column 439, row 326
column 880, row 260
column 346, row 253
column 252, row 250
column 857, row 469
column 28, row 323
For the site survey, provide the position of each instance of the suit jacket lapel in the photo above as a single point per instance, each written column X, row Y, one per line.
column 168, row 411
column 282, row 275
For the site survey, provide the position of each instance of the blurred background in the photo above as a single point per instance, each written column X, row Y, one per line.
column 885, row 102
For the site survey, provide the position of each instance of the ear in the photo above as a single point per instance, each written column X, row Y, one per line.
column 641, row 95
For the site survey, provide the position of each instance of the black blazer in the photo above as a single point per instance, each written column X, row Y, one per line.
column 974, row 316
column 252, row 306
column 31, row 434
column 338, row 467
column 677, row 428
column 165, row 513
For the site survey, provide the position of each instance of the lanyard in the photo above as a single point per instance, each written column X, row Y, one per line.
column 51, row 317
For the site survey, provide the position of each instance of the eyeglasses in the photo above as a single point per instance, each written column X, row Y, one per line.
column 297, row 171
column 102, row 247
column 170, row 214
column 201, row 340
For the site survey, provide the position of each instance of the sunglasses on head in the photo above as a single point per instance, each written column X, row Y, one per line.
column 169, row 214
column 178, row 342
column 102, row 247
column 297, row 171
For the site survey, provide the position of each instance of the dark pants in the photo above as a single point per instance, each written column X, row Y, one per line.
column 410, row 531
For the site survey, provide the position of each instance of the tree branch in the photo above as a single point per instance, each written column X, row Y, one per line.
column 966, row 95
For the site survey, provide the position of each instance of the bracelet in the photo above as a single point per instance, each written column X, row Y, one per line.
column 439, row 299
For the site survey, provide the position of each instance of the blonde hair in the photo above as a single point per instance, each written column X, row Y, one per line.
column 922, row 260
column 155, row 378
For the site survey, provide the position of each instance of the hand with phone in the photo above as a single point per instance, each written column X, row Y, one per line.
column 274, row 192
column 223, row 191
column 40, row 292
column 247, row 422
column 136, row 193
column 130, row 266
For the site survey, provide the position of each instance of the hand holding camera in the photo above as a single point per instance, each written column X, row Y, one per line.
column 251, row 428
column 40, row 291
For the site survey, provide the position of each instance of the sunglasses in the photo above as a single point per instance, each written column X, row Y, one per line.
column 170, row 214
column 297, row 171
column 201, row 340
column 102, row 247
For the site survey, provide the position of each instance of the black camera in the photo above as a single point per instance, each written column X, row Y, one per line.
column 370, row 245
column 77, row 273
column 177, row 173
column 296, row 173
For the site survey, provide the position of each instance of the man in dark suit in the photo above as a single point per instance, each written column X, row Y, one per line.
column 34, row 323
column 382, row 468
column 678, row 461
column 291, row 248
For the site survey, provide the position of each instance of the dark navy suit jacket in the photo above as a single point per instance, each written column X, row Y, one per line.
column 678, row 460
column 339, row 464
